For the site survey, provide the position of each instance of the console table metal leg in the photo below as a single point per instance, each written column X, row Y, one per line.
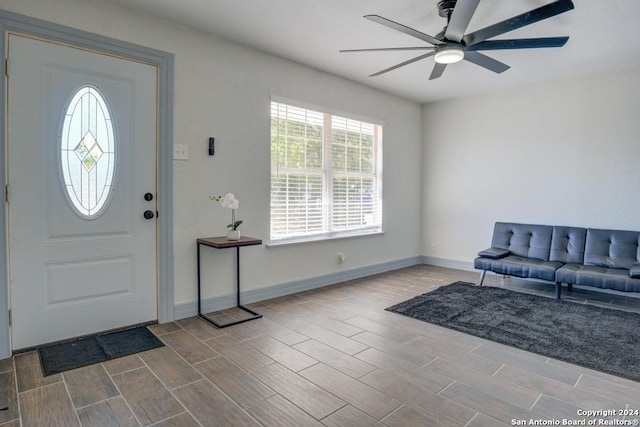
column 238, row 305
column 255, row 315
column 238, row 276
column 199, row 296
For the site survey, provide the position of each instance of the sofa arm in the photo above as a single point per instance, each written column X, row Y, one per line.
column 495, row 253
column 634, row 271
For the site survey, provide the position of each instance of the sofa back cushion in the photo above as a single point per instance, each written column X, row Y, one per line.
column 525, row 240
column 567, row 244
column 612, row 248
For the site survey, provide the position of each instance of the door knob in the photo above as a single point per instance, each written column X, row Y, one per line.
column 148, row 214
column 148, row 197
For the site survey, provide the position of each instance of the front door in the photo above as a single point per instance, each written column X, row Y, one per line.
column 82, row 160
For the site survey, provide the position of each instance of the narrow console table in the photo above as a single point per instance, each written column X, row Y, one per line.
column 224, row 243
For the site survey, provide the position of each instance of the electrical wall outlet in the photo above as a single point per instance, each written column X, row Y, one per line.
column 341, row 258
column 180, row 152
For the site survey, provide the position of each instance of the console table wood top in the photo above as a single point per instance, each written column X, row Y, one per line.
column 221, row 242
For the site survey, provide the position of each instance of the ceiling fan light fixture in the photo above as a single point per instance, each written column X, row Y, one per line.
column 449, row 54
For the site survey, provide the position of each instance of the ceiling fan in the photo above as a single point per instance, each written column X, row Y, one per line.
column 451, row 45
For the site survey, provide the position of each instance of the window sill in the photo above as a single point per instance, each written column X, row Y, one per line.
column 325, row 237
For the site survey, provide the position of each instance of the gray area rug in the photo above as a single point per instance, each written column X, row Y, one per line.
column 594, row 337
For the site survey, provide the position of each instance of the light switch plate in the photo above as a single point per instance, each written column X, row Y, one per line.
column 180, row 152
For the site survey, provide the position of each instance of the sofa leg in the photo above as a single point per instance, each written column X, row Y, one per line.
column 558, row 290
column 570, row 287
column 482, row 277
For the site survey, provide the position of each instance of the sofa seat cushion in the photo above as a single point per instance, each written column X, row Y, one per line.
column 600, row 277
column 518, row 266
column 635, row 271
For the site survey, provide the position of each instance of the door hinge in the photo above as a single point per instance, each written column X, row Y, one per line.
column 6, row 193
column 6, row 67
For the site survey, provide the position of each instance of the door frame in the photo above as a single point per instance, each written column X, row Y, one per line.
column 10, row 21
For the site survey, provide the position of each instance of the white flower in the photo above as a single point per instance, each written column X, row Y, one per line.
column 230, row 201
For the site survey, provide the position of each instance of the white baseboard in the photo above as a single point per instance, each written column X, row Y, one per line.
column 190, row 309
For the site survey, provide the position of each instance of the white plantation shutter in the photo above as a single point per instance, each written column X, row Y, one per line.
column 326, row 174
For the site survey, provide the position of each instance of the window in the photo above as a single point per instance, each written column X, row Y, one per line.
column 326, row 174
column 87, row 152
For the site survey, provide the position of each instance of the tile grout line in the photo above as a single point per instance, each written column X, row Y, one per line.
column 15, row 379
column 126, row 401
column 73, row 405
column 204, row 378
column 170, row 392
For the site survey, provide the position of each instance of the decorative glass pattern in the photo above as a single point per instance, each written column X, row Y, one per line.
column 87, row 152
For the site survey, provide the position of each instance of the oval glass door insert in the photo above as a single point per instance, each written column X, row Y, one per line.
column 87, row 152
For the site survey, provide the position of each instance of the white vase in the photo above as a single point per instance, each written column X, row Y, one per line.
column 233, row 235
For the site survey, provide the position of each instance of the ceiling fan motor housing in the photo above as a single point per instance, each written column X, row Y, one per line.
column 445, row 8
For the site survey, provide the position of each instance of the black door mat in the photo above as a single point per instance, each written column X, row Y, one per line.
column 98, row 348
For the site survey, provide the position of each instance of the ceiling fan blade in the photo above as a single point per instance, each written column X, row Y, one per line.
column 544, row 12
column 519, row 43
column 403, row 29
column 486, row 62
column 387, row 49
column 460, row 19
column 402, row 64
column 438, row 69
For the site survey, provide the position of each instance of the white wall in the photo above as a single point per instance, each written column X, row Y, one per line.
column 223, row 90
column 560, row 153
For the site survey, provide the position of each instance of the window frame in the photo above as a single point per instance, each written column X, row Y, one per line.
column 328, row 174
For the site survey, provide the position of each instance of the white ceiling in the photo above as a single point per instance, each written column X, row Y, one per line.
column 604, row 34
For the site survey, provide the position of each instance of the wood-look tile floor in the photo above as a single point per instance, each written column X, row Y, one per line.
column 327, row 357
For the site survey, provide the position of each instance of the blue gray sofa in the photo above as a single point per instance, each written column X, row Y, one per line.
column 607, row 259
